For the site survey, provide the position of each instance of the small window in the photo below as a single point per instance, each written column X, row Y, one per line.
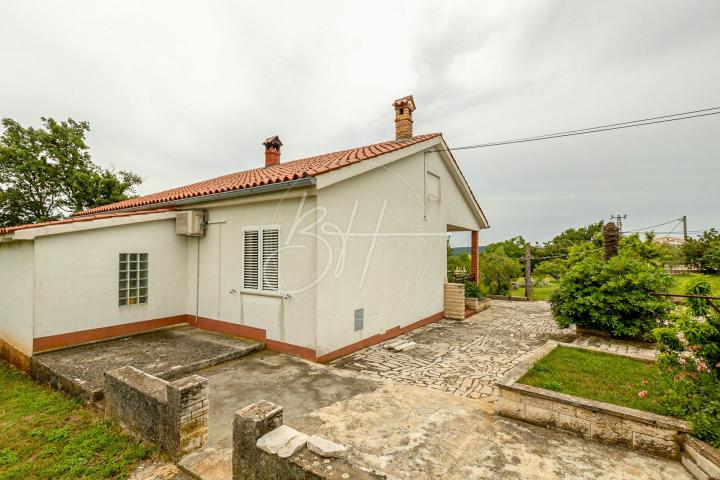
column 433, row 186
column 133, row 279
column 261, row 265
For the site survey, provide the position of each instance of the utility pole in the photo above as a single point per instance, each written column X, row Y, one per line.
column 619, row 219
column 528, row 272
column 684, row 220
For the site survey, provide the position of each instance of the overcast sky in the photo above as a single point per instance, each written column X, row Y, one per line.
column 183, row 91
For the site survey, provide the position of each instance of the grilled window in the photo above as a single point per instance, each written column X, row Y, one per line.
column 133, row 279
column 261, row 269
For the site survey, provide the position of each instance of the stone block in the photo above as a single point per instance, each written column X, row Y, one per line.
column 574, row 425
column 293, row 446
column 705, row 464
column 694, row 470
column 273, row 441
column 650, row 430
column 598, row 417
column 508, row 408
column 613, row 434
column 326, row 448
column 510, row 395
column 656, row 446
column 540, row 416
column 538, row 402
column 564, row 408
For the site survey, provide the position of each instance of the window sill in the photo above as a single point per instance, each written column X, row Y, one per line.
column 264, row 293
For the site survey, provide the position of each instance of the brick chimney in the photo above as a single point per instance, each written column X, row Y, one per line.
column 403, row 118
column 272, row 150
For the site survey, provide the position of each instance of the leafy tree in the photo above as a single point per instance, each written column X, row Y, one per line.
column 646, row 250
column 704, row 252
column 561, row 244
column 497, row 271
column 612, row 296
column 47, row 173
column 514, row 247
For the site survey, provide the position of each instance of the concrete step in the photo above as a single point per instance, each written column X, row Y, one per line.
column 208, row 464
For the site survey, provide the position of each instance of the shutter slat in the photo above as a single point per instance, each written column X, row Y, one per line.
column 270, row 267
column 250, row 267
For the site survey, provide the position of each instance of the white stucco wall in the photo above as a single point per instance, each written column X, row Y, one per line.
column 404, row 276
column 16, row 294
column 76, row 274
column 221, row 296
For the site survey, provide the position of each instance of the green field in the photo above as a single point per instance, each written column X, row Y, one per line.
column 598, row 376
column 45, row 434
column 680, row 283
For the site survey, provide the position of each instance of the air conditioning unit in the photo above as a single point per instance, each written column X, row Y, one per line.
column 189, row 223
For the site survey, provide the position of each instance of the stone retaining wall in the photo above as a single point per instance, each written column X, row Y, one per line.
column 454, row 294
column 172, row 415
column 700, row 459
column 251, row 463
column 635, row 429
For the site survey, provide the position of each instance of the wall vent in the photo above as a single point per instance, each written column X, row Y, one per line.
column 359, row 319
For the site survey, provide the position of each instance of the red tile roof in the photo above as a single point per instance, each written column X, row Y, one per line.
column 84, row 218
column 283, row 172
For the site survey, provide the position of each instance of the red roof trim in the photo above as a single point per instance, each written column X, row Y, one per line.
column 85, row 218
column 283, row 172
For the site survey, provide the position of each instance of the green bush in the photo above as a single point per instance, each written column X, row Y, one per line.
column 612, row 296
column 474, row 290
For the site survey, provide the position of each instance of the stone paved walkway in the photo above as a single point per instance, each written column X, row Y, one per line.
column 466, row 358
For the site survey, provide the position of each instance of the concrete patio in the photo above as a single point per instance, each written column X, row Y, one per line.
column 167, row 353
column 406, row 432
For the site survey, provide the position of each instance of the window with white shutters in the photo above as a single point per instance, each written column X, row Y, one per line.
column 251, row 270
column 261, row 268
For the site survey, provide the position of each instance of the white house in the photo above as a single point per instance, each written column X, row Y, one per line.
column 317, row 257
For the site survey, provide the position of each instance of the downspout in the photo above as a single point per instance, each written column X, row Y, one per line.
column 197, row 268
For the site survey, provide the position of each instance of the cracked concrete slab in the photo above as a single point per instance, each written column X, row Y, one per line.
column 296, row 384
column 167, row 353
column 408, row 432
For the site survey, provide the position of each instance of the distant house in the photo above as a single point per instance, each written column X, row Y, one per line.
column 668, row 240
column 317, row 257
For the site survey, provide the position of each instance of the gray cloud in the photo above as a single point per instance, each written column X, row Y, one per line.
column 182, row 91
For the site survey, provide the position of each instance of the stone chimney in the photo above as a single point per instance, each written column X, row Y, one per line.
column 272, row 150
column 403, row 118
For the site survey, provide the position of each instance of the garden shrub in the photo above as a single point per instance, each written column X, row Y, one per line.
column 690, row 346
column 612, row 296
column 474, row 290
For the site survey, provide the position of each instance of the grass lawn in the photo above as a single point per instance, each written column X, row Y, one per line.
column 538, row 293
column 681, row 282
column 598, row 376
column 45, row 434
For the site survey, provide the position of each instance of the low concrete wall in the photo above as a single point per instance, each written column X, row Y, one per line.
column 172, row 415
column 454, row 295
column 251, row 463
column 700, row 459
column 646, row 432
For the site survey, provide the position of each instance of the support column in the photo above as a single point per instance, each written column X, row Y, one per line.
column 474, row 256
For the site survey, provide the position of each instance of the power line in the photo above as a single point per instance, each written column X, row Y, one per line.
column 601, row 128
column 652, row 226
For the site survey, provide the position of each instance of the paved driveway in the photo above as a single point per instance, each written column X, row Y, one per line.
column 467, row 357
